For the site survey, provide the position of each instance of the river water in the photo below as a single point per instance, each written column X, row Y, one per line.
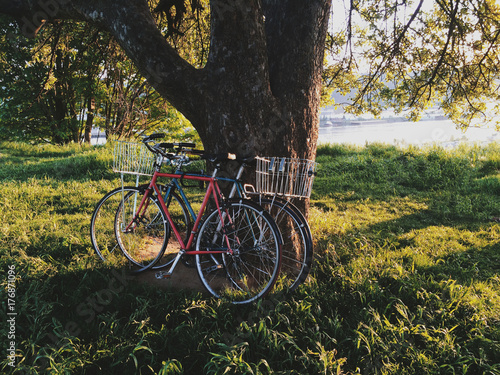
column 399, row 133
column 404, row 133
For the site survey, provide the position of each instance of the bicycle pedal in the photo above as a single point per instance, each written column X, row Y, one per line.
column 162, row 275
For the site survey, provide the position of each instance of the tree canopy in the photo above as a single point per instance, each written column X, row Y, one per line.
column 415, row 55
column 73, row 77
column 241, row 71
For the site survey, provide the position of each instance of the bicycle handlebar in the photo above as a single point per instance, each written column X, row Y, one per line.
column 158, row 148
column 188, row 147
column 222, row 157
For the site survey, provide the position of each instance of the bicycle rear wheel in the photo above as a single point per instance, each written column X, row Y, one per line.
column 250, row 267
column 297, row 250
column 142, row 232
column 182, row 219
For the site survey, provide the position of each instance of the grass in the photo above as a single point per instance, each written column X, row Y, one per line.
column 406, row 277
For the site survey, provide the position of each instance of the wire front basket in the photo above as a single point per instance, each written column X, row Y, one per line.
column 285, row 176
column 133, row 158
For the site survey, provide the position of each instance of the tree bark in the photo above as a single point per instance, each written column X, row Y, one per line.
column 259, row 92
column 89, row 120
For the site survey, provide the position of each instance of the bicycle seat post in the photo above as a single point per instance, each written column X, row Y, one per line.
column 237, row 180
column 218, row 167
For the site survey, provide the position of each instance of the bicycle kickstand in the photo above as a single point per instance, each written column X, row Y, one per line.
column 167, row 274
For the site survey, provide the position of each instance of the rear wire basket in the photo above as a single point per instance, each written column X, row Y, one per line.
column 289, row 177
column 133, row 158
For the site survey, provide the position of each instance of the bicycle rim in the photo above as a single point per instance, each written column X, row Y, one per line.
column 142, row 239
column 297, row 249
column 251, row 271
column 102, row 227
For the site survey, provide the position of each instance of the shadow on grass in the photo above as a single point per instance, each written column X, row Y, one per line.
column 77, row 303
column 387, row 311
column 104, row 320
column 471, row 265
column 95, row 319
column 462, row 250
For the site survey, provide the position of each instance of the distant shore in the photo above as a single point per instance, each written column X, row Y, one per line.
column 402, row 133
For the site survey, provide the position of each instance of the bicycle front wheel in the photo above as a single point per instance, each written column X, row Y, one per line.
column 250, row 260
column 141, row 230
column 102, row 226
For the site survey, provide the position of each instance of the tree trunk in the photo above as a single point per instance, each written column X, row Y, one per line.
column 263, row 96
column 259, row 91
column 90, row 120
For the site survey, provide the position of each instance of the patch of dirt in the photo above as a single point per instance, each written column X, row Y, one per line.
column 183, row 278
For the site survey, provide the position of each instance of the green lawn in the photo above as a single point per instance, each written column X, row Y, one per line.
column 406, row 278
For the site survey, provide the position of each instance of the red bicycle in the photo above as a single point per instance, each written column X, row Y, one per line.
column 237, row 246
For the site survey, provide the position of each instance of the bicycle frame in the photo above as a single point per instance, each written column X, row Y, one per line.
column 175, row 185
column 213, row 190
column 237, row 189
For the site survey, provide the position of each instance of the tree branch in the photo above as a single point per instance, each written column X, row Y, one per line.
column 132, row 25
column 453, row 23
column 388, row 55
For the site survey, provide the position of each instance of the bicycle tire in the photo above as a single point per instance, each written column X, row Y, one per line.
column 297, row 249
column 252, row 270
column 182, row 219
column 102, row 227
column 142, row 239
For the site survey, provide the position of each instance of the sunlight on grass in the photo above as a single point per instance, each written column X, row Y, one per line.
column 406, row 276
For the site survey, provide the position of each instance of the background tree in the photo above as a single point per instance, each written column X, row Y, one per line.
column 259, row 88
column 44, row 82
column 70, row 78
